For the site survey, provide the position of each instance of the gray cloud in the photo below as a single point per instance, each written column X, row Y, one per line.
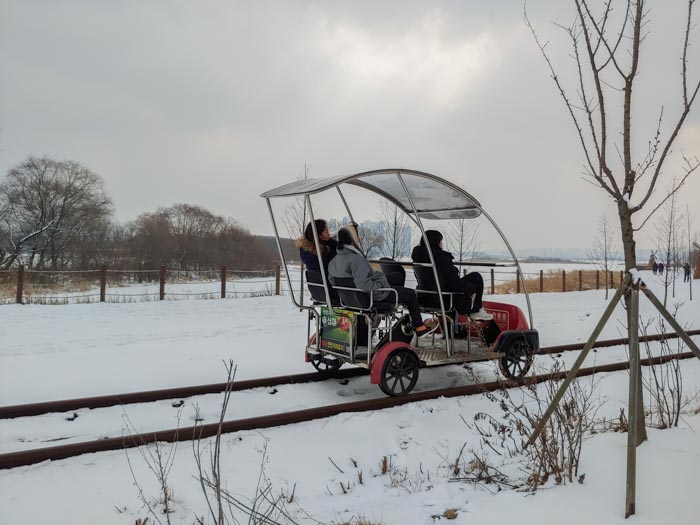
column 214, row 102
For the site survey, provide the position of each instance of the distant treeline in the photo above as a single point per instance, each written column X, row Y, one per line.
column 56, row 215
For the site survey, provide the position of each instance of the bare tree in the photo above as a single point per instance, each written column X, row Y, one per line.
column 48, row 205
column 295, row 220
column 295, row 213
column 371, row 239
column 671, row 241
column 461, row 235
column 607, row 60
column 396, row 232
column 603, row 248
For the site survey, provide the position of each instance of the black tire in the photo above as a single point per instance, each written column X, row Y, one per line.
column 325, row 363
column 518, row 359
column 399, row 373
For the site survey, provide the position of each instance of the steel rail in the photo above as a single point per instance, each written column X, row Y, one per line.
column 30, row 457
column 65, row 405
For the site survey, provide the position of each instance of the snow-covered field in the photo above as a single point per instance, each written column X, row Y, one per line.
column 57, row 352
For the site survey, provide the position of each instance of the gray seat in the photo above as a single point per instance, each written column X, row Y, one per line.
column 353, row 297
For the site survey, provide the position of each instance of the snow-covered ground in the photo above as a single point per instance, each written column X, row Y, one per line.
column 57, row 352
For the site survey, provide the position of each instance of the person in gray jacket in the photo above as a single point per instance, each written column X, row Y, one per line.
column 351, row 262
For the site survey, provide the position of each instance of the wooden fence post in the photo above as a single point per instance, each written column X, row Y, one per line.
column 597, row 279
column 493, row 287
column 103, row 283
column 20, row 284
column 563, row 280
column 612, row 279
column 277, row 279
column 517, row 281
column 622, row 275
column 223, row 282
column 580, row 281
column 541, row 281
column 162, row 283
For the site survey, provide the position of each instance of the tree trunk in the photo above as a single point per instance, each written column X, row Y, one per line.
column 629, row 246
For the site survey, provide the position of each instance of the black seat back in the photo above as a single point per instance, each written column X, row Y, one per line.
column 395, row 273
column 351, row 297
column 318, row 294
column 425, row 280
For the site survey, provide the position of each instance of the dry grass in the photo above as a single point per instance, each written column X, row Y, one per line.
column 558, row 281
column 359, row 520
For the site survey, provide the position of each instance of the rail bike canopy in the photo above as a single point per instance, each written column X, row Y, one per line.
column 433, row 197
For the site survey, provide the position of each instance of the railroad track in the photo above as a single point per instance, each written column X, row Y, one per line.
column 28, row 457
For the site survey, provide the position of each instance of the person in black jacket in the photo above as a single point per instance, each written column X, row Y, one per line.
column 307, row 246
column 471, row 285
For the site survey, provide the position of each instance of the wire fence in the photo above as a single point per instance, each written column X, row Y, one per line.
column 26, row 286
column 125, row 286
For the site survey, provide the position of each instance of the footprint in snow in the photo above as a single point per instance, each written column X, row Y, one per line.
column 348, row 392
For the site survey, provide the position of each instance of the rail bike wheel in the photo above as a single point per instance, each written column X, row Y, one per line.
column 325, row 363
column 518, row 359
column 399, row 373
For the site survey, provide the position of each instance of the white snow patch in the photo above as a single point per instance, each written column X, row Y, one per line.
column 636, row 275
column 626, row 198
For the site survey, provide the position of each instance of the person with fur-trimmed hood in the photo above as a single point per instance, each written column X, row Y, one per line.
column 471, row 285
column 307, row 246
column 351, row 262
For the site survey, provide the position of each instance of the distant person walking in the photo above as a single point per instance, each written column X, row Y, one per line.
column 686, row 272
column 661, row 268
column 655, row 267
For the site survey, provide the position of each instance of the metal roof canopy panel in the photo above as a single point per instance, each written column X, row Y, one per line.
column 434, row 198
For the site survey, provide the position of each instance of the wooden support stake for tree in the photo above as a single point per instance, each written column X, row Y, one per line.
column 223, row 282
column 20, row 284
column 493, row 287
column 162, row 283
column 103, row 283
column 612, row 279
column 563, row 280
column 517, row 281
column 667, row 315
column 541, row 281
column 579, row 361
column 580, row 280
column 277, row 279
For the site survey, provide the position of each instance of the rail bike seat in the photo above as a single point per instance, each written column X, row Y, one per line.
column 357, row 299
column 426, row 290
column 395, row 273
column 314, row 281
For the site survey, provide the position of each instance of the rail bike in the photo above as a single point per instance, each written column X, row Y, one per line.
column 347, row 325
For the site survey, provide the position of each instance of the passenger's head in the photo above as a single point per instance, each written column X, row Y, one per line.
column 321, row 228
column 434, row 238
column 348, row 235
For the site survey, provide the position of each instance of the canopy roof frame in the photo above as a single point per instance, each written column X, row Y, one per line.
column 303, row 187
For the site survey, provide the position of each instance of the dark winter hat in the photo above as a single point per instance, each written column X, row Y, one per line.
column 434, row 238
column 309, row 231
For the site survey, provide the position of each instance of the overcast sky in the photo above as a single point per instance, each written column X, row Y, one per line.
column 214, row 102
